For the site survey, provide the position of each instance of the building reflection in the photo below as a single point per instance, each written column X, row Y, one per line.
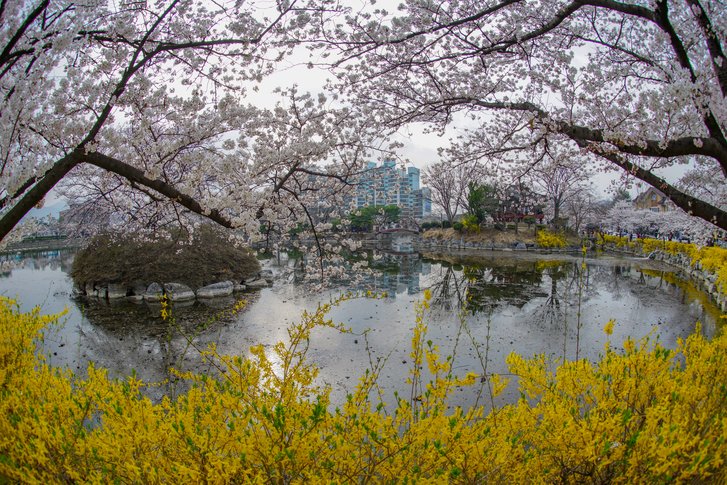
column 396, row 273
column 37, row 260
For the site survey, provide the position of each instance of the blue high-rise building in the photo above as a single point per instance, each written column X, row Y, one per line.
column 388, row 185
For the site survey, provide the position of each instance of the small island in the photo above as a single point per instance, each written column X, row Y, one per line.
column 181, row 267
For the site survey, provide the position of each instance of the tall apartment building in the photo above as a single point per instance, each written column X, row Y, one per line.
column 386, row 184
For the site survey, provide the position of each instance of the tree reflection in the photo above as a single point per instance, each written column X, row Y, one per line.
column 483, row 284
column 133, row 336
column 551, row 312
column 555, row 289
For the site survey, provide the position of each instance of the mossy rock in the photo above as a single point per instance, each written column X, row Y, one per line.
column 130, row 260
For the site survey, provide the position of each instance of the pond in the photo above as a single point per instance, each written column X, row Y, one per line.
column 483, row 307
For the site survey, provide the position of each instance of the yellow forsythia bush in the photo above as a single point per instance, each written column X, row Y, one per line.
column 714, row 260
column 548, row 239
column 647, row 415
column 618, row 241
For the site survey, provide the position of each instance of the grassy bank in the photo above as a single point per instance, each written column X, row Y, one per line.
column 497, row 237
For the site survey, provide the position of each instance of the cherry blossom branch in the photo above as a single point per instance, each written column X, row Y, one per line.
column 691, row 205
column 710, row 120
column 681, row 146
column 36, row 193
column 719, row 62
column 133, row 174
column 611, row 149
column 6, row 55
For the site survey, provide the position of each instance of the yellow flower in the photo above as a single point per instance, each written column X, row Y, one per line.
column 165, row 312
column 635, row 417
column 629, row 345
column 427, row 294
column 239, row 305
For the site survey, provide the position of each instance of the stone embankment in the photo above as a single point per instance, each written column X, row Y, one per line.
column 463, row 244
column 175, row 292
column 705, row 279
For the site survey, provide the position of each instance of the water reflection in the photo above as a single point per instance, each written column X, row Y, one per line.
column 483, row 284
column 38, row 260
column 483, row 308
column 396, row 273
column 133, row 336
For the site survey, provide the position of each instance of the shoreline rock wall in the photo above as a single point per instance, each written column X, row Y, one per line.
column 706, row 280
column 175, row 292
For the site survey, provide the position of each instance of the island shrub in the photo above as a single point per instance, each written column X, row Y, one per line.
column 128, row 259
column 642, row 415
column 431, row 225
column 458, row 226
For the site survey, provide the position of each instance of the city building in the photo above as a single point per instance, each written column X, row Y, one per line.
column 386, row 184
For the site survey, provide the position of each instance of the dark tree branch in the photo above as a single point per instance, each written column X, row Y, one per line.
column 321, row 251
column 691, row 205
column 341, row 178
column 35, row 194
column 558, row 19
column 677, row 147
column 135, row 175
column 625, row 8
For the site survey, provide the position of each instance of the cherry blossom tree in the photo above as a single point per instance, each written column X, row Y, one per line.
column 639, row 85
column 561, row 176
column 705, row 180
column 583, row 209
column 140, row 108
column 449, row 184
column 623, row 216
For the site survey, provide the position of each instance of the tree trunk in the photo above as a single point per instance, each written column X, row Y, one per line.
column 36, row 193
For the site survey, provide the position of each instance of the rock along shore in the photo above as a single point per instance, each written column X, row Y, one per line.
column 175, row 292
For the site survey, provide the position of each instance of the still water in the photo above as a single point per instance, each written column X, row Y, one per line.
column 483, row 307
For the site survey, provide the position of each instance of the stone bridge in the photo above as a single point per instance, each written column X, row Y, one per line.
column 398, row 231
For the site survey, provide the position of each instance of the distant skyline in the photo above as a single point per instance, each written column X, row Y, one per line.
column 54, row 208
